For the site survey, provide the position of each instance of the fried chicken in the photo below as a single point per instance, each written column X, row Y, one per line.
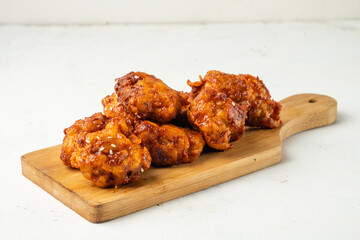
column 114, row 108
column 169, row 144
column 145, row 123
column 232, row 85
column 103, row 153
column 148, row 97
column 75, row 136
column 217, row 117
column 243, row 89
column 110, row 159
column 263, row 111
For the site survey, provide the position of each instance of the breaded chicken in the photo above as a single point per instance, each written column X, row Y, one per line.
column 148, row 97
column 146, row 122
column 169, row 144
column 75, row 137
column 243, row 89
column 230, row 84
column 103, row 153
column 217, row 117
column 113, row 108
column 263, row 112
column 110, row 159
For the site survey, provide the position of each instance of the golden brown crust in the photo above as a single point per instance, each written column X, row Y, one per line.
column 115, row 109
column 112, row 149
column 218, row 118
column 169, row 144
column 148, row 97
column 75, row 137
column 110, row 159
column 103, row 153
column 262, row 112
column 232, row 85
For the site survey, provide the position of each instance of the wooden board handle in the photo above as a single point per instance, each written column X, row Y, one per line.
column 305, row 111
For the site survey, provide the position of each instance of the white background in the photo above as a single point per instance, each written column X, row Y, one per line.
column 47, row 12
column 52, row 75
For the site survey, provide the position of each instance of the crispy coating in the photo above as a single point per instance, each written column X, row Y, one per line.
column 103, row 153
column 74, row 138
column 243, row 89
column 110, row 159
column 232, row 85
column 169, row 144
column 113, row 108
column 114, row 148
column 217, row 117
column 263, row 111
column 148, row 97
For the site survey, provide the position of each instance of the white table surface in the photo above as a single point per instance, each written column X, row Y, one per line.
column 51, row 76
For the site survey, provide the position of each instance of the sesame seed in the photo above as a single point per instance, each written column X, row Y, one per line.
column 102, row 148
column 111, row 151
column 113, row 145
column 109, row 137
column 136, row 77
column 110, row 108
column 87, row 141
column 97, row 137
column 141, row 170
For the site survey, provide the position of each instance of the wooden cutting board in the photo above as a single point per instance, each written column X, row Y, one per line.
column 257, row 149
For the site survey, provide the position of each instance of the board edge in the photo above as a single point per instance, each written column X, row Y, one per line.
column 88, row 210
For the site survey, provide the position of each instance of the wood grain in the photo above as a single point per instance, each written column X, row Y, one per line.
column 257, row 149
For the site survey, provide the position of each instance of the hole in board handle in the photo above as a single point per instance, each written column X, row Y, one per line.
column 312, row 101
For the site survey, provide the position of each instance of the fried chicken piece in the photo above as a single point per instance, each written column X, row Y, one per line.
column 169, row 144
column 113, row 108
column 218, row 118
column 109, row 158
column 232, row 85
column 75, row 137
column 262, row 112
column 148, row 97
column 103, row 153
